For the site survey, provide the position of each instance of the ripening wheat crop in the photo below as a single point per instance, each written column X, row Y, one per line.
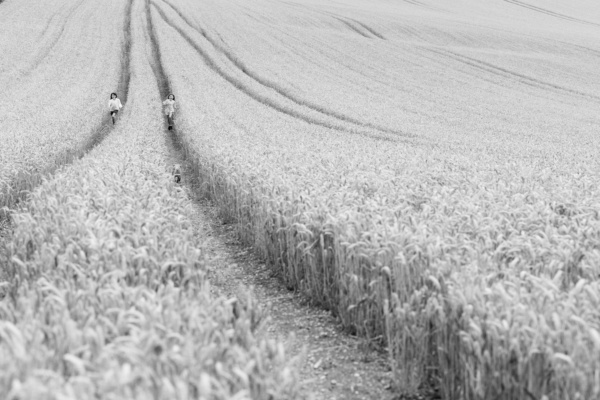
column 428, row 171
column 108, row 295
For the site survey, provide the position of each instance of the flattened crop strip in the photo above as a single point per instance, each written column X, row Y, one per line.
column 126, row 53
column 45, row 52
column 161, row 77
column 505, row 73
column 281, row 90
column 162, row 80
column 369, row 29
column 551, row 13
column 378, row 133
column 352, row 26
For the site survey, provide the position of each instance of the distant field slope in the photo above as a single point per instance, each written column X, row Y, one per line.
column 427, row 169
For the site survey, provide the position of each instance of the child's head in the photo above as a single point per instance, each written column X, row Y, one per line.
column 113, row 95
column 171, row 97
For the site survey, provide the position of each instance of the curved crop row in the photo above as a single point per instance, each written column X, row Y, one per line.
column 398, row 83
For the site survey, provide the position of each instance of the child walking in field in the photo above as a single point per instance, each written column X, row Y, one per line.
column 114, row 105
column 169, row 104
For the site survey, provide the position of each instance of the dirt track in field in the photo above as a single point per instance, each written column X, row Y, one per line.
column 334, row 366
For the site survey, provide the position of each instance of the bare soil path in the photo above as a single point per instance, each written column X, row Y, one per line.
column 334, row 365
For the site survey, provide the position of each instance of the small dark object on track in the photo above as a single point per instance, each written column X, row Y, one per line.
column 176, row 172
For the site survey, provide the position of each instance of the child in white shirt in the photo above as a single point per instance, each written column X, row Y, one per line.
column 169, row 104
column 114, row 104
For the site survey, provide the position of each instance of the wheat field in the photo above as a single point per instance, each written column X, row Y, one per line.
column 427, row 170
